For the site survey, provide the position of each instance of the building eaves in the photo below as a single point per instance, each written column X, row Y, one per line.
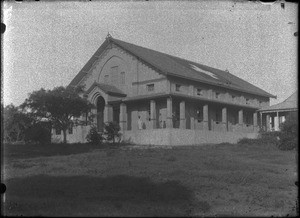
column 108, row 89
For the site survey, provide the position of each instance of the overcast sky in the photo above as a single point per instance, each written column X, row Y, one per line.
column 46, row 44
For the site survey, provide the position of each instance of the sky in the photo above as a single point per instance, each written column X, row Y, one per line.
column 47, row 43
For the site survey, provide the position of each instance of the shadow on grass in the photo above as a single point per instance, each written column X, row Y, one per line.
column 15, row 151
column 125, row 195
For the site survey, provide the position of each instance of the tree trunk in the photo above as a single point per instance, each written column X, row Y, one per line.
column 65, row 135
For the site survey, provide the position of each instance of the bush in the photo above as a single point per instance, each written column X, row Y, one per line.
column 248, row 141
column 38, row 133
column 265, row 138
column 94, row 137
column 289, row 135
column 112, row 131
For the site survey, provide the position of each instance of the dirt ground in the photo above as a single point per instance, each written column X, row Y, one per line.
column 208, row 180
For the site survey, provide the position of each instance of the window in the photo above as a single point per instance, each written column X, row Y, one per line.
column 105, row 78
column 122, row 78
column 199, row 92
column 114, row 74
column 177, row 87
column 70, row 129
column 217, row 94
column 247, row 101
column 57, row 131
column 150, row 87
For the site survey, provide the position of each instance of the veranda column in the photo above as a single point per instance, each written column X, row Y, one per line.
column 224, row 118
column 108, row 113
column 255, row 121
column 123, row 117
column 268, row 122
column 276, row 122
column 205, row 117
column 153, row 114
column 182, row 115
column 169, row 113
column 241, row 118
column 261, row 120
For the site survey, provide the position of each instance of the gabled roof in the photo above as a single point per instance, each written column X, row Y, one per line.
column 177, row 67
column 289, row 104
column 108, row 89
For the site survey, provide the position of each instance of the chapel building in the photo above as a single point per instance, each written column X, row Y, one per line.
column 179, row 102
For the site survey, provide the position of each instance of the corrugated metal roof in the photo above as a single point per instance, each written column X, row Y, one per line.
column 290, row 103
column 178, row 67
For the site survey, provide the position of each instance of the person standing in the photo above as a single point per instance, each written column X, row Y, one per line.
column 140, row 123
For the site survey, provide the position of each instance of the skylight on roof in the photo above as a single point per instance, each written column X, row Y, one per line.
column 204, row 71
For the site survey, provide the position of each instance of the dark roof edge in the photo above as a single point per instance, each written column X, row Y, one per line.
column 90, row 62
column 106, row 91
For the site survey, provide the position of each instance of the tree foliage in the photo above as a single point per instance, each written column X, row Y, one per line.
column 15, row 123
column 61, row 106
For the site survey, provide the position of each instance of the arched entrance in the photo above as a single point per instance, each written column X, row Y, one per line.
column 100, row 113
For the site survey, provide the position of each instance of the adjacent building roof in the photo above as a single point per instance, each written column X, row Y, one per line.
column 177, row 67
column 108, row 89
column 290, row 103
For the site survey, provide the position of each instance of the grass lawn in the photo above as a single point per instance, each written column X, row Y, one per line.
column 209, row 180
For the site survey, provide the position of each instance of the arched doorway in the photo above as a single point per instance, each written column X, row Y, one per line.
column 100, row 113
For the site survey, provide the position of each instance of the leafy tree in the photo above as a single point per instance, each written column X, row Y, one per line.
column 61, row 106
column 112, row 131
column 15, row 123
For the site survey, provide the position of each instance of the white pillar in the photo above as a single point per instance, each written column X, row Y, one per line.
column 241, row 117
column 255, row 119
column 169, row 113
column 153, row 114
column 276, row 122
column 123, row 117
column 224, row 118
column 182, row 115
column 108, row 113
column 268, row 122
column 255, row 122
column 205, row 117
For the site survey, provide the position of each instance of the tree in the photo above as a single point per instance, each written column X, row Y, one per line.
column 15, row 123
column 61, row 106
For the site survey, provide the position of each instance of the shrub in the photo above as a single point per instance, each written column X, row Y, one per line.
column 248, row 141
column 265, row 138
column 112, row 131
column 289, row 135
column 93, row 136
column 38, row 133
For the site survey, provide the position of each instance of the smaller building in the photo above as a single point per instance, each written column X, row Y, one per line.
column 273, row 116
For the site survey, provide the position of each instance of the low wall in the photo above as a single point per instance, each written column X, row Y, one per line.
column 78, row 135
column 163, row 136
column 183, row 136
